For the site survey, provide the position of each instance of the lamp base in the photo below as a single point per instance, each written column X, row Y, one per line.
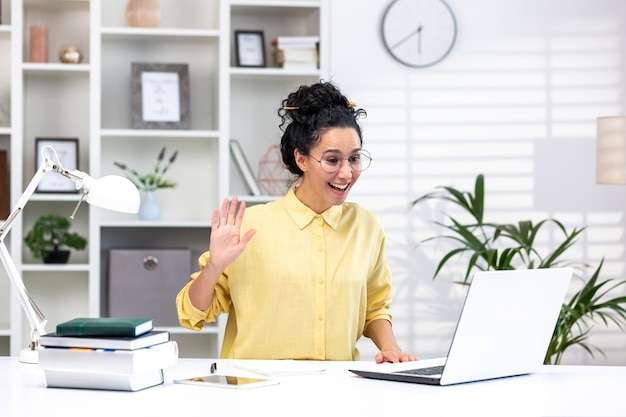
column 28, row 355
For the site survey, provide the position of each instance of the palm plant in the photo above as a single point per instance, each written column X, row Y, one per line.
column 498, row 246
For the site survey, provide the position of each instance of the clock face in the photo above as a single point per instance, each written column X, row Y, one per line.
column 419, row 33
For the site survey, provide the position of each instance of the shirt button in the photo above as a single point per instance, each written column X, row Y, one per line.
column 320, row 352
column 320, row 317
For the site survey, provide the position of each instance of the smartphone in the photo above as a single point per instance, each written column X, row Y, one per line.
column 227, row 381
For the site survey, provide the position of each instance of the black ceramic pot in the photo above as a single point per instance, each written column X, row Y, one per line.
column 57, row 257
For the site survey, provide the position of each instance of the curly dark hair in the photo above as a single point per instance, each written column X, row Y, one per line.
column 310, row 111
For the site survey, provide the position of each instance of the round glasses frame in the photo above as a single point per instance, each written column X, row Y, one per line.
column 332, row 164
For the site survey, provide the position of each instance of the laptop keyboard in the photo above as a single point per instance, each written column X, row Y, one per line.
column 433, row 370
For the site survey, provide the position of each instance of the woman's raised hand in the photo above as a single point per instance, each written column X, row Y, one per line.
column 226, row 243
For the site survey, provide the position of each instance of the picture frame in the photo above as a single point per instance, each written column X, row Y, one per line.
column 67, row 152
column 244, row 168
column 4, row 184
column 160, row 96
column 250, row 48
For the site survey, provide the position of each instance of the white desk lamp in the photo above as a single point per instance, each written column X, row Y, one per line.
column 611, row 150
column 112, row 192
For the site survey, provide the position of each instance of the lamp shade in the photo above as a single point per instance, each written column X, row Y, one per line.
column 113, row 192
column 611, row 150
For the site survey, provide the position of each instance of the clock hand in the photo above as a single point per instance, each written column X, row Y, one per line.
column 419, row 40
column 406, row 38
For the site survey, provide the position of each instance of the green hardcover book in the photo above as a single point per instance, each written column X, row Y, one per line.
column 105, row 326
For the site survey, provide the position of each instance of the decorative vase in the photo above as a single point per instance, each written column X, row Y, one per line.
column 38, row 43
column 70, row 55
column 143, row 13
column 273, row 176
column 149, row 208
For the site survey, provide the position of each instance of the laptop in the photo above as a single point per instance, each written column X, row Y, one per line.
column 504, row 330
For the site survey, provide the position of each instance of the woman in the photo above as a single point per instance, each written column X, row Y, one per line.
column 305, row 276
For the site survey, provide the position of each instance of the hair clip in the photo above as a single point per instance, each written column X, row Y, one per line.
column 350, row 105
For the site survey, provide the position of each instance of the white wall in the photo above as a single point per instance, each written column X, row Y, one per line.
column 516, row 100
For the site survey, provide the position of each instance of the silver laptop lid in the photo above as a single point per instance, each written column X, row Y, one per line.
column 506, row 324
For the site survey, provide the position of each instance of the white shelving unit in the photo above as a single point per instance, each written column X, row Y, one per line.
column 269, row 85
column 187, row 35
column 91, row 101
column 5, row 144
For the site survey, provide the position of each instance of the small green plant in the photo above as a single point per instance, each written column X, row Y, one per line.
column 497, row 246
column 152, row 180
column 50, row 233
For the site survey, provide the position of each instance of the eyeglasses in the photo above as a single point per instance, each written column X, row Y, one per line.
column 330, row 162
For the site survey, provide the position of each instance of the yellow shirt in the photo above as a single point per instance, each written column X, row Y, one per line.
column 305, row 287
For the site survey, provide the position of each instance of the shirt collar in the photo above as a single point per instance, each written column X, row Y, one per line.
column 302, row 215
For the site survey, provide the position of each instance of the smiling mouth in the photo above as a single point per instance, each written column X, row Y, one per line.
column 339, row 187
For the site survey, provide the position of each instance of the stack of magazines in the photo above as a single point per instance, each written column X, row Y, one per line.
column 123, row 354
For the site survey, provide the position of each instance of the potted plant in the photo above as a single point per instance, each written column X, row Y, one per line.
column 49, row 234
column 149, row 183
column 495, row 246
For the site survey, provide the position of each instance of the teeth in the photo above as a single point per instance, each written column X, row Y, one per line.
column 340, row 187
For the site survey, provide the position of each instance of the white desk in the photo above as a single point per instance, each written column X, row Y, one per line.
column 555, row 391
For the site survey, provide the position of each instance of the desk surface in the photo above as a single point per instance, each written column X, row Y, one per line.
column 555, row 391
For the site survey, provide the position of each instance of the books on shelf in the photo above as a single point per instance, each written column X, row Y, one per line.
column 296, row 52
column 136, row 361
column 244, row 168
column 105, row 326
column 61, row 378
column 298, row 66
column 106, row 342
column 296, row 58
column 296, row 55
column 291, row 42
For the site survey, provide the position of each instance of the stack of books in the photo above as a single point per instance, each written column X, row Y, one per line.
column 122, row 354
column 296, row 52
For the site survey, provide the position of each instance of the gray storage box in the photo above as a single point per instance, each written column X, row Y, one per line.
column 145, row 282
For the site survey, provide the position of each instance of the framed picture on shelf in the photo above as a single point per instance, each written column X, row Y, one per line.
column 67, row 152
column 160, row 96
column 250, row 48
column 244, row 168
column 4, row 184
column 5, row 117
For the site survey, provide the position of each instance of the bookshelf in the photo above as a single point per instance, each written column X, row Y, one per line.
column 91, row 101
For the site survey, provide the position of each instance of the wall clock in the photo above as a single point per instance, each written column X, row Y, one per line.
column 419, row 33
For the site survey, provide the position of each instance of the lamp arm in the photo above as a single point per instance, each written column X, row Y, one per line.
column 36, row 319
column 77, row 178
column 101, row 193
column 21, row 202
